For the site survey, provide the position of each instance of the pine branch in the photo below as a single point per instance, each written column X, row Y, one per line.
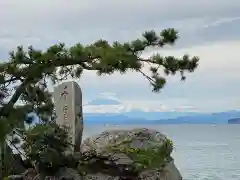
column 34, row 66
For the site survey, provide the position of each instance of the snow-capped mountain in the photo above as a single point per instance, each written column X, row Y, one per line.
column 113, row 111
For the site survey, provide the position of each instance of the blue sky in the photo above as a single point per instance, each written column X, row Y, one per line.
column 208, row 29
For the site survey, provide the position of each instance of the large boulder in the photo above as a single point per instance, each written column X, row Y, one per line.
column 131, row 154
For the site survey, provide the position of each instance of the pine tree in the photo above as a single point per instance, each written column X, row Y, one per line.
column 25, row 77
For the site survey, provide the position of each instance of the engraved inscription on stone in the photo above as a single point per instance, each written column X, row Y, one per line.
column 68, row 102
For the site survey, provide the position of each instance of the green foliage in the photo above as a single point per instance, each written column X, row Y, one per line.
column 45, row 145
column 149, row 158
column 8, row 136
column 25, row 76
column 152, row 158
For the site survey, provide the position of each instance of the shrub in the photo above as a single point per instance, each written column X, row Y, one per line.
column 45, row 146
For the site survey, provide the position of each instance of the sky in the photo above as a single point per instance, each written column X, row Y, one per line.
column 208, row 29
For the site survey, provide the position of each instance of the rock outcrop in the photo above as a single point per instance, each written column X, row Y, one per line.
column 137, row 154
column 126, row 154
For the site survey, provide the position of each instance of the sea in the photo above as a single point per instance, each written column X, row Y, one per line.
column 202, row 152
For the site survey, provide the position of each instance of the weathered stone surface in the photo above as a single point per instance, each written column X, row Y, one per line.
column 68, row 174
column 170, row 172
column 127, row 149
column 138, row 138
column 62, row 174
column 68, row 100
column 150, row 175
column 100, row 176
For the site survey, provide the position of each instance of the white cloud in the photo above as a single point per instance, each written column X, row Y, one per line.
column 46, row 22
column 124, row 108
column 27, row 7
column 109, row 95
column 104, row 109
column 218, row 56
column 176, row 104
column 43, row 23
column 222, row 21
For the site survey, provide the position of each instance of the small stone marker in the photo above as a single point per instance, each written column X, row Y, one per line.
column 68, row 102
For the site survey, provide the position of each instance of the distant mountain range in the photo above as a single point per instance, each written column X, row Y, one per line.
column 189, row 118
column 234, row 121
column 118, row 113
column 104, row 101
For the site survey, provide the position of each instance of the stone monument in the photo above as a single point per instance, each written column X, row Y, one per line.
column 68, row 102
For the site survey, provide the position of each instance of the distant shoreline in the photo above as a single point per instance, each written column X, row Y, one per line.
column 124, row 124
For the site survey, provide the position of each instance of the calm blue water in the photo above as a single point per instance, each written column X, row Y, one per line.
column 203, row 152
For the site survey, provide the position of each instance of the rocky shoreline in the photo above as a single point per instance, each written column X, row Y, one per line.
column 137, row 154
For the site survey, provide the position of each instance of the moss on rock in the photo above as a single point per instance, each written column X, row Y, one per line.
column 149, row 158
column 136, row 150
